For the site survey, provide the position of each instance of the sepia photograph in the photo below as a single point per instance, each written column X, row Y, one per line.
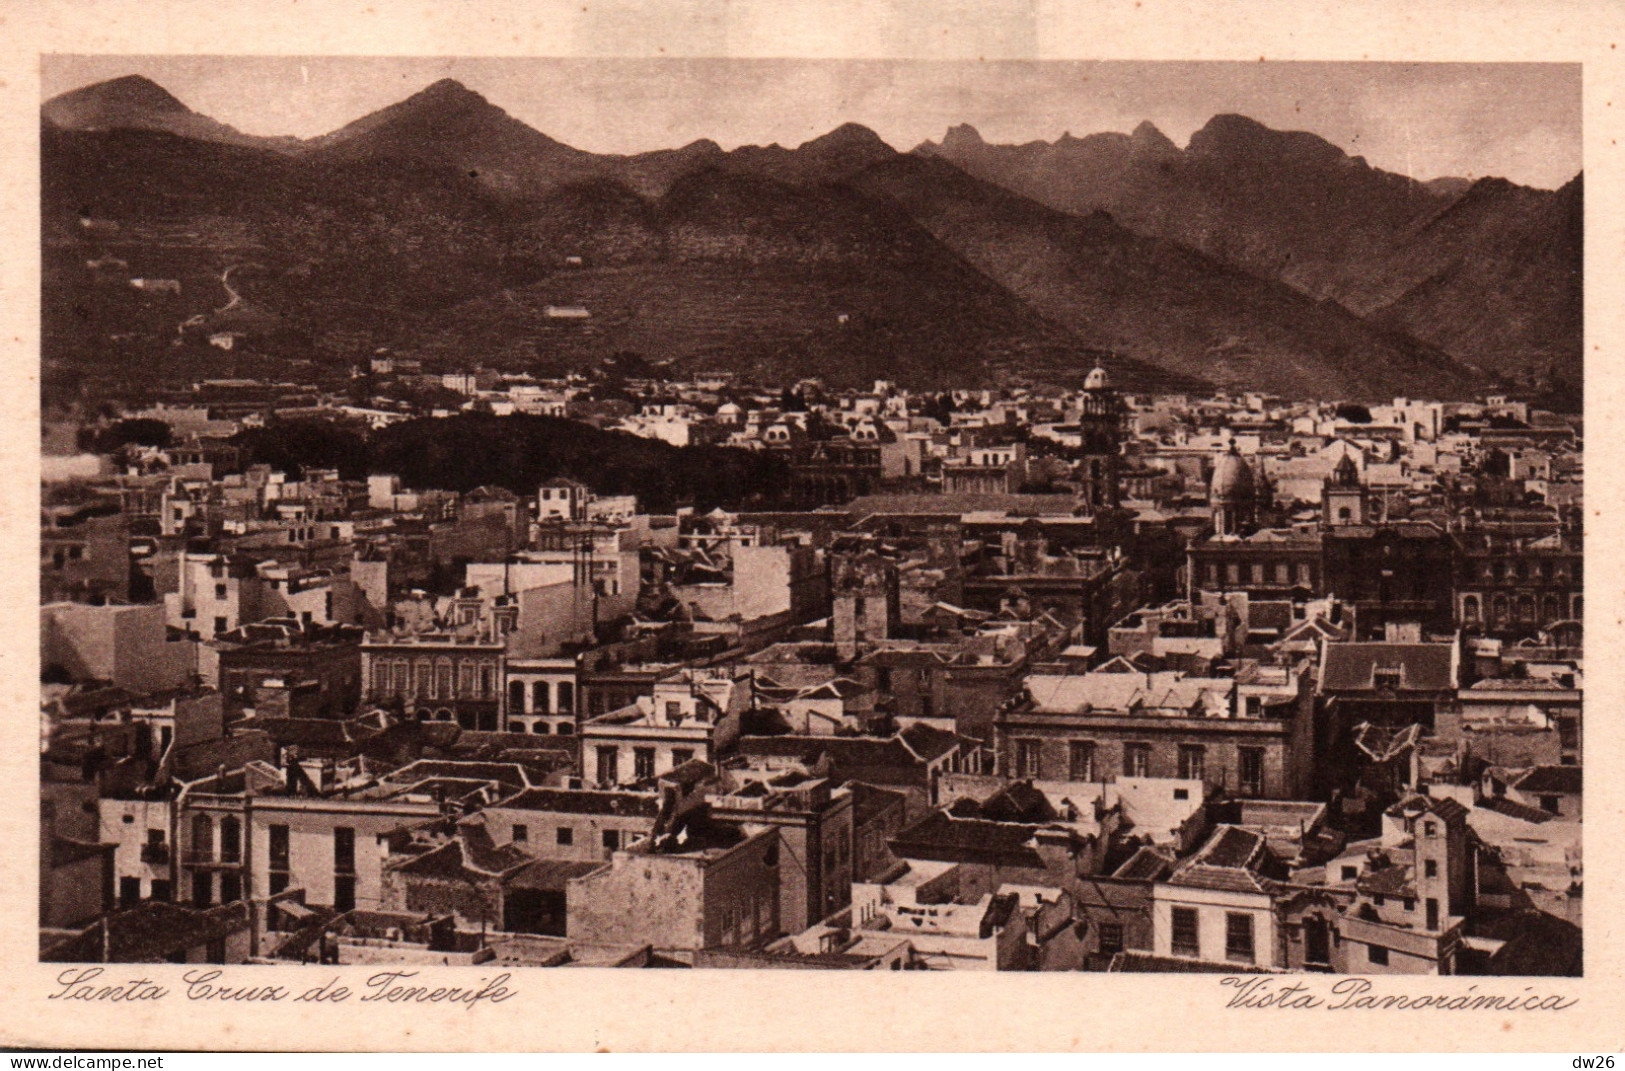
column 811, row 514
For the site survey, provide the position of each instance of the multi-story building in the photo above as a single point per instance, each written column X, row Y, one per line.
column 440, row 675
column 1104, row 725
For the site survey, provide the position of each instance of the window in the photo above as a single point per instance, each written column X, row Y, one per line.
column 220, row 592
column 160, row 890
column 1081, row 760
column 1376, row 955
column 278, row 846
column 1252, row 771
column 202, row 888
column 540, row 700
column 516, row 697
column 674, row 710
column 612, row 839
column 1550, row 804
column 1186, row 941
column 609, row 760
column 1432, row 907
column 220, row 624
column 566, row 836
column 343, row 850
column 1028, row 762
column 279, row 882
column 129, row 892
column 1136, row 760
column 1111, row 938
column 1192, row 762
column 643, row 763
column 1238, row 936
column 567, row 697
column 344, row 894
column 1430, row 868
column 231, row 839
column 521, row 834
column 1350, row 873
column 680, row 755
column 202, row 836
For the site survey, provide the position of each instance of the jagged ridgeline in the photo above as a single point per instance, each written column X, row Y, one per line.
column 445, row 227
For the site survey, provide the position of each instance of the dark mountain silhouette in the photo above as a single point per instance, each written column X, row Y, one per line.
column 1160, row 301
column 137, row 103
column 443, row 225
column 726, row 269
column 1294, row 207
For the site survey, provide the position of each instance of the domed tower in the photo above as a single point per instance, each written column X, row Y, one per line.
column 1343, row 497
column 1232, row 495
column 1100, row 423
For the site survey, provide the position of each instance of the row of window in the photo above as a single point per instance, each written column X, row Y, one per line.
column 1083, row 764
column 1524, row 609
column 1238, row 935
column 541, row 728
column 1280, row 572
column 541, row 697
column 434, row 680
column 643, row 763
column 1525, row 569
column 565, row 836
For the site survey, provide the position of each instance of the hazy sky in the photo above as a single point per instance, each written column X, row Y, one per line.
column 1520, row 121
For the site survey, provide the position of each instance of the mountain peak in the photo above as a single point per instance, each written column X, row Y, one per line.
column 1238, row 137
column 848, row 136
column 448, row 92
column 1147, row 138
column 133, row 91
column 962, row 136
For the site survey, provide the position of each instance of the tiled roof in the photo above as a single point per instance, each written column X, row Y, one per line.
column 1550, row 779
column 940, row 836
column 149, row 933
column 1146, row 864
column 1389, row 881
column 1229, row 861
column 929, row 743
column 1514, row 809
column 584, row 801
column 1537, row 944
column 1422, row 667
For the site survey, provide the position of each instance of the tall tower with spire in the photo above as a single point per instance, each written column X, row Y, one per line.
column 1343, row 496
column 1100, row 423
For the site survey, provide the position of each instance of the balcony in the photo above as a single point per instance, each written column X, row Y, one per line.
column 205, row 858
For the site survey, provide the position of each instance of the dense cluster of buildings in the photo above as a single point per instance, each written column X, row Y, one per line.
column 1006, row 681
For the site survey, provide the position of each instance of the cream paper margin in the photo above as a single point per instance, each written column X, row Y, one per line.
column 795, row 1010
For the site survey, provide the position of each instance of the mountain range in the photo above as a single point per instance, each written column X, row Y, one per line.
column 444, row 226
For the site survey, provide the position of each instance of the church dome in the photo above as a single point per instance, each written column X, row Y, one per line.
column 1096, row 379
column 1232, row 478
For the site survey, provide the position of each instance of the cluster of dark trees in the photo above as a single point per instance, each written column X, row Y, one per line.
column 472, row 450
